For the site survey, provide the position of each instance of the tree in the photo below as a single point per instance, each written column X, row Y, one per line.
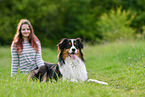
column 115, row 25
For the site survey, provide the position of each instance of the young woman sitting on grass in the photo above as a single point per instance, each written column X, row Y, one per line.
column 25, row 49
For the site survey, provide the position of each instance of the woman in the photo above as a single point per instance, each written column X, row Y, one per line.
column 25, row 49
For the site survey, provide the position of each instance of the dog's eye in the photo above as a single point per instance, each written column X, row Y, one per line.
column 75, row 43
column 69, row 43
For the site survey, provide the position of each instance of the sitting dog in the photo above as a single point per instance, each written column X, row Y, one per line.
column 70, row 65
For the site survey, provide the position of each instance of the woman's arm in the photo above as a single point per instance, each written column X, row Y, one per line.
column 39, row 60
column 14, row 64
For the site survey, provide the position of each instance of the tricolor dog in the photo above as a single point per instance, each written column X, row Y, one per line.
column 70, row 65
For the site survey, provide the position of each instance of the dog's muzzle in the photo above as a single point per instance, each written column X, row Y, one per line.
column 72, row 55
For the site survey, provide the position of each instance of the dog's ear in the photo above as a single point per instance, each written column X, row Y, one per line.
column 62, row 44
column 80, row 43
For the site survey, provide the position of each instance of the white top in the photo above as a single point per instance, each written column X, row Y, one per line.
column 28, row 60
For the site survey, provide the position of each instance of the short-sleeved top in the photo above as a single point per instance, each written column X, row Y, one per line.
column 27, row 60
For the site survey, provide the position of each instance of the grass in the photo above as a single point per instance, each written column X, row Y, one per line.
column 121, row 64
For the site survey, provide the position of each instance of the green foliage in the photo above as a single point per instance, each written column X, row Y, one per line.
column 137, row 7
column 122, row 67
column 115, row 25
column 53, row 20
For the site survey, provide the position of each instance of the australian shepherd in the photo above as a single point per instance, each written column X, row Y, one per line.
column 70, row 65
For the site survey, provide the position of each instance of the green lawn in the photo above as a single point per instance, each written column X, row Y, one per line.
column 120, row 64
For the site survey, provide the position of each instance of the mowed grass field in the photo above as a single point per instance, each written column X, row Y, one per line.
column 121, row 64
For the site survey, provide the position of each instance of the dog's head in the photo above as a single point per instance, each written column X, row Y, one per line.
column 72, row 47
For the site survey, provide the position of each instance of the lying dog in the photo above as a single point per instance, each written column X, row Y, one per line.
column 47, row 72
column 70, row 65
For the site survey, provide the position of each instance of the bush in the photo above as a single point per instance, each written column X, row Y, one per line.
column 115, row 25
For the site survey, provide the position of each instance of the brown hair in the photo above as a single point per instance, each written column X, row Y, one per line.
column 18, row 39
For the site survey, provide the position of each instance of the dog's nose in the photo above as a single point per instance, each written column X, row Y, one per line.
column 73, row 49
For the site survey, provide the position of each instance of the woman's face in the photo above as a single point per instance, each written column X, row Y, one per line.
column 25, row 30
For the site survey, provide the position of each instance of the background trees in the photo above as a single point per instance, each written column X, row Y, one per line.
column 116, row 25
column 55, row 19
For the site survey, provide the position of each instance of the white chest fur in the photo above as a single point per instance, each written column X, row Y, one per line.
column 74, row 70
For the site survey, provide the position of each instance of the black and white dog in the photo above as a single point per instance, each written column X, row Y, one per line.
column 70, row 65
column 71, row 61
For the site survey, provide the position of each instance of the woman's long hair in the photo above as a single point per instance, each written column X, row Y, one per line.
column 18, row 39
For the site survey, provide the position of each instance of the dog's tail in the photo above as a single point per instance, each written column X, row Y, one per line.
column 96, row 81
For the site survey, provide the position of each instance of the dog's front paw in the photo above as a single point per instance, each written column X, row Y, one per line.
column 74, row 80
